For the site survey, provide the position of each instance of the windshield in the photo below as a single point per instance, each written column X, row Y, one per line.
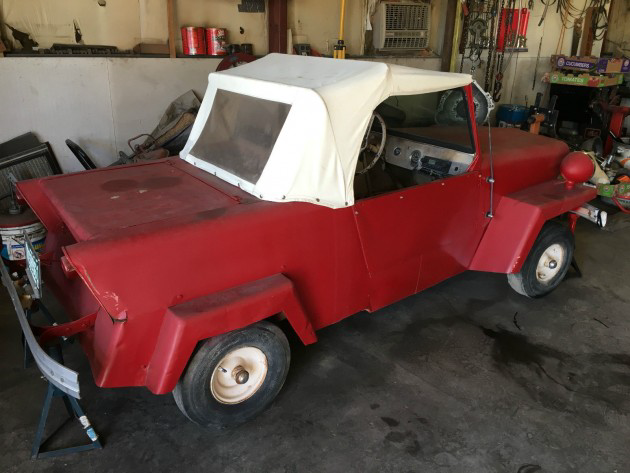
column 438, row 118
column 240, row 133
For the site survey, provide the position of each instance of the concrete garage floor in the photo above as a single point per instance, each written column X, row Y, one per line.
column 465, row 377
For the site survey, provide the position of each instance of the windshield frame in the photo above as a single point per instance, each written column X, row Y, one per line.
column 399, row 130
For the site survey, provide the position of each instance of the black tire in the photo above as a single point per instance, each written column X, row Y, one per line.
column 527, row 282
column 193, row 394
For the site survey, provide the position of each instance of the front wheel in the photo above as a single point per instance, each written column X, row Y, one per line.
column 234, row 377
column 547, row 263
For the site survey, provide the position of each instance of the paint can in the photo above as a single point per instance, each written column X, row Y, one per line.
column 193, row 40
column 512, row 114
column 12, row 228
column 233, row 48
column 216, row 41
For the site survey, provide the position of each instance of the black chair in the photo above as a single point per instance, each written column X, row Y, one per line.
column 81, row 155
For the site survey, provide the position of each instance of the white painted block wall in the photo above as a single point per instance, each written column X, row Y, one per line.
column 100, row 103
column 97, row 102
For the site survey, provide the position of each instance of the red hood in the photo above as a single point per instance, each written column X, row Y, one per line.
column 521, row 159
column 95, row 203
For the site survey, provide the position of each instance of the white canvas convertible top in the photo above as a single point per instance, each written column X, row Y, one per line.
column 331, row 101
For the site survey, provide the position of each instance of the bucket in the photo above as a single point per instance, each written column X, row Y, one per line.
column 193, row 40
column 13, row 240
column 512, row 114
column 215, row 39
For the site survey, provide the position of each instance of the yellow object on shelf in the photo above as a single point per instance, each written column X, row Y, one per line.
column 340, row 48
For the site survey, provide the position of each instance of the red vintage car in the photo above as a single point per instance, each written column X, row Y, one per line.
column 310, row 189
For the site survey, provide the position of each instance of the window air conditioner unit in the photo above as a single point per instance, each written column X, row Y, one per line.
column 402, row 25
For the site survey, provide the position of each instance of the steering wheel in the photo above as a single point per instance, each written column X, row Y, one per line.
column 372, row 144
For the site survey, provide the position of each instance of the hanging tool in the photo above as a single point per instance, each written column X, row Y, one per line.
column 464, row 40
column 477, row 31
column 340, row 48
column 547, row 4
column 536, row 66
column 491, row 46
column 78, row 36
column 498, row 59
column 478, row 28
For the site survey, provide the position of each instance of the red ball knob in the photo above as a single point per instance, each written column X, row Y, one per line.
column 576, row 167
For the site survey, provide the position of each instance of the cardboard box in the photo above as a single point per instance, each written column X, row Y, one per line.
column 609, row 190
column 613, row 65
column 585, row 80
column 574, row 63
column 590, row 64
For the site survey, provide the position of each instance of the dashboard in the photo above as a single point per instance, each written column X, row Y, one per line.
column 430, row 159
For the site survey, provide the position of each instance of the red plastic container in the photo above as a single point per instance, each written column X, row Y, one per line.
column 193, row 40
column 216, row 41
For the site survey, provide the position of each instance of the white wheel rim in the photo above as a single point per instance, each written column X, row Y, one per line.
column 550, row 263
column 239, row 375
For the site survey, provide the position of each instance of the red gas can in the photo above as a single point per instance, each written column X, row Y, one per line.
column 216, row 41
column 193, row 40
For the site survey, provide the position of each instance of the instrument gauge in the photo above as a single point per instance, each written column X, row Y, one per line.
column 414, row 159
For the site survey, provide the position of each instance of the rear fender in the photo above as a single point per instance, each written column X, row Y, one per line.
column 185, row 324
column 519, row 218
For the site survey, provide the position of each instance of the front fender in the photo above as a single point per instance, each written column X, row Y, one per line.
column 517, row 221
column 185, row 324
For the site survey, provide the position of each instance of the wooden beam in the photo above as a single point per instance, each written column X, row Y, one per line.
column 611, row 18
column 170, row 13
column 277, row 21
column 449, row 32
column 586, row 46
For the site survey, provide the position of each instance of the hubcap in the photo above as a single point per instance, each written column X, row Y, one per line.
column 238, row 375
column 550, row 263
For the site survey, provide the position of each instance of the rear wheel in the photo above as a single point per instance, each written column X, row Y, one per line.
column 233, row 377
column 547, row 263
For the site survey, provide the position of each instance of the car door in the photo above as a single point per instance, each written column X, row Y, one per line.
column 416, row 237
column 423, row 211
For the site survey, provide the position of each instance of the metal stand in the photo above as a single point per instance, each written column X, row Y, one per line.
column 74, row 411
column 62, row 381
column 575, row 266
column 72, row 405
